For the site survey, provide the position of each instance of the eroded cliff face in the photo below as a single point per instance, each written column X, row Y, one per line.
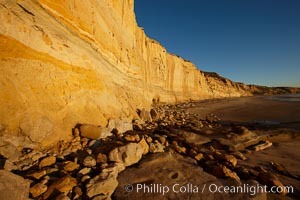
column 64, row 62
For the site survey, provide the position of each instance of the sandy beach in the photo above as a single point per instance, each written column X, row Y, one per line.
column 243, row 109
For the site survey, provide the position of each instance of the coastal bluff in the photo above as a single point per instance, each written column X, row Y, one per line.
column 72, row 62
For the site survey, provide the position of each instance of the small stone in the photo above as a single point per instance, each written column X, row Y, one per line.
column 76, row 132
column 156, row 147
column 51, row 170
column 76, row 140
column 199, row 156
column 132, row 138
column 222, row 171
column 144, row 145
column 37, row 190
column 262, row 146
column 89, row 161
column 89, row 151
column 77, row 190
column 45, row 180
column 37, row 175
column 84, row 171
column 178, row 148
column 70, row 166
column 239, row 155
column 48, row 161
column 85, row 178
column 149, row 139
column 92, row 142
column 84, row 141
column 228, row 158
column 64, row 185
column 162, row 140
column 101, row 158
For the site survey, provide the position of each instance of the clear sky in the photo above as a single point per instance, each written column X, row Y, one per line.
column 250, row 41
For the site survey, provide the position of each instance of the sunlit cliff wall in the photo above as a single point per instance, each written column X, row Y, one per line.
column 64, row 62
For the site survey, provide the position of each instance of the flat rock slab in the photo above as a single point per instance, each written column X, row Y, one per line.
column 241, row 141
column 190, row 137
column 169, row 176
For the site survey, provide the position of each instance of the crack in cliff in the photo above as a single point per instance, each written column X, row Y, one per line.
column 25, row 10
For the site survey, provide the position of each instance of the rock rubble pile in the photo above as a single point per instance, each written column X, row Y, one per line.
column 95, row 164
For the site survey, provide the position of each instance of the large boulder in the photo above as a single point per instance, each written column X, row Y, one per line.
column 94, row 132
column 128, row 154
column 104, row 184
column 13, row 187
column 120, row 125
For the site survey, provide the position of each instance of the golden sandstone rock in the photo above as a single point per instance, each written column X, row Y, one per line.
column 68, row 62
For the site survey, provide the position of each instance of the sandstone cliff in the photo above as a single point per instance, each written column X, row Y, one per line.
column 64, row 62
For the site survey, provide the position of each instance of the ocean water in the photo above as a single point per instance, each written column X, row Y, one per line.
column 292, row 97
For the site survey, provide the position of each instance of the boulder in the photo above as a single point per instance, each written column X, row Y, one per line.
column 128, row 154
column 94, row 132
column 120, row 125
column 13, row 187
column 104, row 184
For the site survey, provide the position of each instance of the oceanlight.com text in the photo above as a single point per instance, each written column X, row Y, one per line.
column 211, row 188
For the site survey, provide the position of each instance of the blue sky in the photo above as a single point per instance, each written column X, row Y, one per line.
column 250, row 41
